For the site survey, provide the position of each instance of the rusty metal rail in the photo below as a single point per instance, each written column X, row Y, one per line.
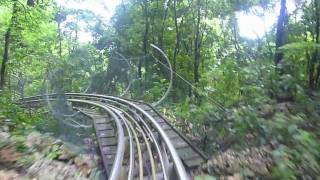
column 160, row 150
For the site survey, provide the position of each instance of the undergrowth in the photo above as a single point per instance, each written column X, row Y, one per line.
column 291, row 129
column 14, row 117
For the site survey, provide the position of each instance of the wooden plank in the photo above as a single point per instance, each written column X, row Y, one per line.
column 100, row 127
column 107, row 142
column 102, row 120
column 179, row 143
column 187, row 153
column 105, row 134
column 159, row 119
column 109, row 160
column 165, row 126
column 153, row 114
column 191, row 163
column 145, row 107
column 109, row 150
column 172, row 134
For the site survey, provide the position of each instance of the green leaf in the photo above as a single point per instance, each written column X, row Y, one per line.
column 299, row 46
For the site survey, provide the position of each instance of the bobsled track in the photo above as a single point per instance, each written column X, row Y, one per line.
column 132, row 136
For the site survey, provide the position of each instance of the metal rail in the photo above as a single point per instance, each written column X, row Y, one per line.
column 145, row 135
column 116, row 168
column 137, row 122
column 180, row 170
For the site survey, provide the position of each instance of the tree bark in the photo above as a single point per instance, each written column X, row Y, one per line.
column 164, row 18
column 177, row 45
column 5, row 58
column 60, row 40
column 316, row 53
column 281, row 32
column 204, row 29
column 235, row 38
column 197, row 46
column 145, row 38
column 7, row 40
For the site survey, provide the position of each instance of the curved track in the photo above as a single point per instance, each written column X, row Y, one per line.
column 132, row 136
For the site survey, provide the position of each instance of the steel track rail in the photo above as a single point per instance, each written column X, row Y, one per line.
column 157, row 145
column 181, row 135
column 140, row 129
column 129, row 130
column 151, row 136
column 138, row 149
column 148, row 132
column 179, row 168
column 146, row 135
column 117, row 165
column 204, row 156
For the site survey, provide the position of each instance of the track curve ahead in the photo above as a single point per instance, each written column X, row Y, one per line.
column 134, row 139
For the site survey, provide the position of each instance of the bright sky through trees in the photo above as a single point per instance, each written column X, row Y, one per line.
column 250, row 24
column 103, row 8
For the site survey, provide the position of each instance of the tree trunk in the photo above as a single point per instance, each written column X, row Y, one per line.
column 7, row 40
column 164, row 18
column 145, row 39
column 202, row 34
column 5, row 58
column 235, row 38
column 316, row 53
column 176, row 50
column 281, row 32
column 177, row 45
column 197, row 46
column 60, row 40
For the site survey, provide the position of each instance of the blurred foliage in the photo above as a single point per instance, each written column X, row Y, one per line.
column 14, row 117
column 290, row 128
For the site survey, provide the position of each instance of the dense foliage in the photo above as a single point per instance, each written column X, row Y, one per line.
column 228, row 91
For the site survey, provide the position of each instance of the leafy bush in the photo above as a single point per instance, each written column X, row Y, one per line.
column 296, row 151
column 14, row 117
column 289, row 128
